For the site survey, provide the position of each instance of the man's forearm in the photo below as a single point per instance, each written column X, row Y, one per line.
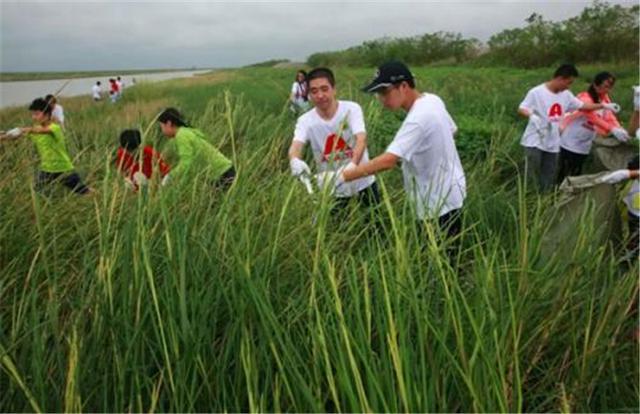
column 382, row 162
column 358, row 151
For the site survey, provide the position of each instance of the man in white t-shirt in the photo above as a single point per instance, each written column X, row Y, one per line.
column 96, row 91
column 545, row 106
column 433, row 176
column 336, row 133
column 57, row 113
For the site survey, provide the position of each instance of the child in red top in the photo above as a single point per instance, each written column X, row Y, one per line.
column 138, row 167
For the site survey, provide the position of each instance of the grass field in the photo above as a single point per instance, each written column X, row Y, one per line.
column 194, row 300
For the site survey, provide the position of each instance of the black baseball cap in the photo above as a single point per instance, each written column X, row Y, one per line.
column 389, row 73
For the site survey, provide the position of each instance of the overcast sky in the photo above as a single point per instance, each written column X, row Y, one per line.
column 73, row 35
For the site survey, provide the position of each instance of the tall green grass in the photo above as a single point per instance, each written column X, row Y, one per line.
column 192, row 299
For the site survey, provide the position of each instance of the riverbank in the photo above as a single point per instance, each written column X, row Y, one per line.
column 31, row 76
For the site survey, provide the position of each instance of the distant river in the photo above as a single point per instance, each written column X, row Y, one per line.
column 22, row 92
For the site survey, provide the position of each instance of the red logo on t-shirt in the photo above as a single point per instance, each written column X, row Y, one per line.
column 555, row 110
column 336, row 148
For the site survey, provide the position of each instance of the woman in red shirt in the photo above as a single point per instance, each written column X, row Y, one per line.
column 135, row 165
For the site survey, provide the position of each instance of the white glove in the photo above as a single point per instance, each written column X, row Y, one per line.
column 130, row 185
column 613, row 107
column 537, row 121
column 165, row 180
column 329, row 180
column 614, row 177
column 299, row 167
column 620, row 134
column 14, row 133
column 636, row 98
column 140, row 179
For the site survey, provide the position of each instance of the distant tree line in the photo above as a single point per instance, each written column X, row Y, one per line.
column 267, row 63
column 601, row 33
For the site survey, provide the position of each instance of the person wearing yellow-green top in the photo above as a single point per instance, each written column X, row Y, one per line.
column 55, row 162
column 194, row 156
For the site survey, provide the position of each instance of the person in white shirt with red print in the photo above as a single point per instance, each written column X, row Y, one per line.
column 336, row 132
column 545, row 106
column 433, row 176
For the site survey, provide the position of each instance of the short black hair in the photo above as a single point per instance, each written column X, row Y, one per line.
column 98, row 83
column 318, row 73
column 172, row 115
column 130, row 139
column 566, row 70
column 41, row 104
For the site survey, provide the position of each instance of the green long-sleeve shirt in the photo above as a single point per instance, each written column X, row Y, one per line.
column 193, row 155
column 52, row 150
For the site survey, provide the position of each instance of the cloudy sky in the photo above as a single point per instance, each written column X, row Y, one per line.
column 92, row 35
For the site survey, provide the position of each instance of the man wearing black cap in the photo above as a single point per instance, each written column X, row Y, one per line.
column 433, row 175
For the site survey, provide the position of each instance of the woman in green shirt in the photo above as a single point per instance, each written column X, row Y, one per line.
column 194, row 155
column 55, row 163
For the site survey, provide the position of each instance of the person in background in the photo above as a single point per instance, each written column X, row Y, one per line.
column 55, row 162
column 113, row 90
column 545, row 106
column 137, row 166
column 120, row 83
column 579, row 128
column 195, row 157
column 96, row 91
column 57, row 112
column 299, row 100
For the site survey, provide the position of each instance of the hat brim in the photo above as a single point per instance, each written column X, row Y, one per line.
column 375, row 86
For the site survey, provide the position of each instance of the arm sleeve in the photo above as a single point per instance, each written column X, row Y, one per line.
column 406, row 141
column 356, row 120
column 452, row 124
column 528, row 103
column 300, row 132
column 603, row 124
column 185, row 159
column 574, row 103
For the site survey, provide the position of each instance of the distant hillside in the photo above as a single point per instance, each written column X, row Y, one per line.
column 267, row 63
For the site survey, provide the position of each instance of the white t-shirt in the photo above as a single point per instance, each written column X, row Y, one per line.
column 96, row 92
column 58, row 113
column 578, row 136
column 332, row 142
column 551, row 107
column 431, row 168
